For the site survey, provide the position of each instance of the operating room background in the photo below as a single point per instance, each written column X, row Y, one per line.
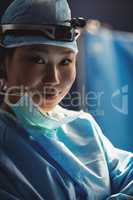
column 105, row 67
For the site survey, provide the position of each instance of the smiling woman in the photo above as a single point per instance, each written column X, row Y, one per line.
column 51, row 70
column 46, row 151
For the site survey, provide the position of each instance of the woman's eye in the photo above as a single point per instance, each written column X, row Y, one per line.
column 66, row 61
column 37, row 60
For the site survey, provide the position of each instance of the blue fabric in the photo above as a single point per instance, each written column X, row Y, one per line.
column 30, row 114
column 13, row 41
column 37, row 12
column 85, row 155
column 108, row 80
column 34, row 12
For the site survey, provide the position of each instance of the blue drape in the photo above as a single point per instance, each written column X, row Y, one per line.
column 106, row 82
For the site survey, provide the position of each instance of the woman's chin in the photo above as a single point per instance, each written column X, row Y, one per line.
column 46, row 108
column 48, row 105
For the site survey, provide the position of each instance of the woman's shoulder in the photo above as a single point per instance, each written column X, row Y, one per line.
column 10, row 128
column 6, row 117
column 80, row 114
column 8, row 122
column 80, row 121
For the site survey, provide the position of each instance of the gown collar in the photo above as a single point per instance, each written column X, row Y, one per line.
column 30, row 115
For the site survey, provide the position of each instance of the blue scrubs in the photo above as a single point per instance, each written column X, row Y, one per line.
column 70, row 160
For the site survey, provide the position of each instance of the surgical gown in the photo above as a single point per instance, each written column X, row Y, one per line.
column 70, row 160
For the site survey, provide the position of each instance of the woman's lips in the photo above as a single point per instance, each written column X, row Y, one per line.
column 50, row 95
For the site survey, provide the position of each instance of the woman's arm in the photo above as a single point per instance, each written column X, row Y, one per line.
column 120, row 164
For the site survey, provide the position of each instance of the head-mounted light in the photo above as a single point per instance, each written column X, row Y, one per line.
column 53, row 32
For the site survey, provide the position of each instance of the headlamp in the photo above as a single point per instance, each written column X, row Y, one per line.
column 58, row 32
column 54, row 32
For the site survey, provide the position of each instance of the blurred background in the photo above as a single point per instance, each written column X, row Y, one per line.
column 104, row 67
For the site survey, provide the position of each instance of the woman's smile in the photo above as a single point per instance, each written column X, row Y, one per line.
column 51, row 70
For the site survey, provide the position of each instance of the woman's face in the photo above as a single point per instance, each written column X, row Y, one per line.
column 46, row 72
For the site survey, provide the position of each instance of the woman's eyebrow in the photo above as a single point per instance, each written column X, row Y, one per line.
column 67, row 52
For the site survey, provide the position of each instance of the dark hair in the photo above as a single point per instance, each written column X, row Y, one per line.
column 4, row 53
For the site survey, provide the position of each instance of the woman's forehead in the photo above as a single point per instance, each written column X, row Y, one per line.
column 46, row 49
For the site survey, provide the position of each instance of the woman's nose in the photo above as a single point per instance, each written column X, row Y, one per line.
column 51, row 75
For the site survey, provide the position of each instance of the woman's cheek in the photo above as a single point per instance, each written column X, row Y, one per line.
column 69, row 75
column 30, row 79
column 71, row 78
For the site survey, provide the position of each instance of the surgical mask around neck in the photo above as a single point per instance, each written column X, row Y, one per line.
column 28, row 113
